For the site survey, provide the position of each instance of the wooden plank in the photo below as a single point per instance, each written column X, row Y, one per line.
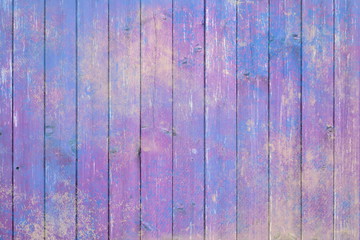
column 92, row 119
column 60, row 119
column 125, row 119
column 188, row 115
column 252, row 120
column 317, row 120
column 28, row 119
column 156, row 119
column 347, row 120
column 220, row 101
column 6, row 24
column 285, row 119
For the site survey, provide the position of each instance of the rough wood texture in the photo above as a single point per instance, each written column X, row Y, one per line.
column 92, row 192
column 188, row 64
column 28, row 118
column 347, row 120
column 60, row 119
column 220, row 120
column 6, row 119
column 156, row 119
column 285, row 119
column 252, row 120
column 317, row 120
column 124, row 119
column 180, row 119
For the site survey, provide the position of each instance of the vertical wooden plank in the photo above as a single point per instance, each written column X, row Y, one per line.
column 156, row 119
column 285, row 119
column 29, row 119
column 125, row 119
column 92, row 119
column 188, row 33
column 347, row 120
column 220, row 101
column 253, row 119
column 317, row 119
column 60, row 119
column 6, row 119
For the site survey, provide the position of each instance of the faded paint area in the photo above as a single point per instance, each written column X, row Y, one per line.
column 180, row 119
column 317, row 120
column 188, row 119
column 220, row 120
column 60, row 120
column 285, row 120
column 156, row 119
column 252, row 120
column 6, row 133
column 347, row 121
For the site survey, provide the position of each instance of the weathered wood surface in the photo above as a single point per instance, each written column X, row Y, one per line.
column 347, row 120
column 285, row 119
column 156, row 119
column 188, row 119
column 28, row 119
column 6, row 132
column 220, row 120
column 60, row 119
column 92, row 119
column 317, row 119
column 179, row 119
column 252, row 123
column 124, row 149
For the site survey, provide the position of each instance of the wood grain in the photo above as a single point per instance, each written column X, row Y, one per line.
column 179, row 119
column 317, row 119
column 188, row 107
column 347, row 120
column 60, row 119
column 220, row 120
column 92, row 192
column 124, row 119
column 28, row 114
column 253, row 120
column 285, row 119
column 156, row 119
column 6, row 101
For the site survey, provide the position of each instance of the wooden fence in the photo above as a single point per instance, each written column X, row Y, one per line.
column 180, row 119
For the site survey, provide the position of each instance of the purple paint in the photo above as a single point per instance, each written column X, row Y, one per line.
column 28, row 119
column 92, row 192
column 220, row 120
column 347, row 120
column 6, row 119
column 285, row 120
column 156, row 119
column 124, row 119
column 317, row 120
column 60, row 119
column 252, row 120
column 188, row 64
column 216, row 119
